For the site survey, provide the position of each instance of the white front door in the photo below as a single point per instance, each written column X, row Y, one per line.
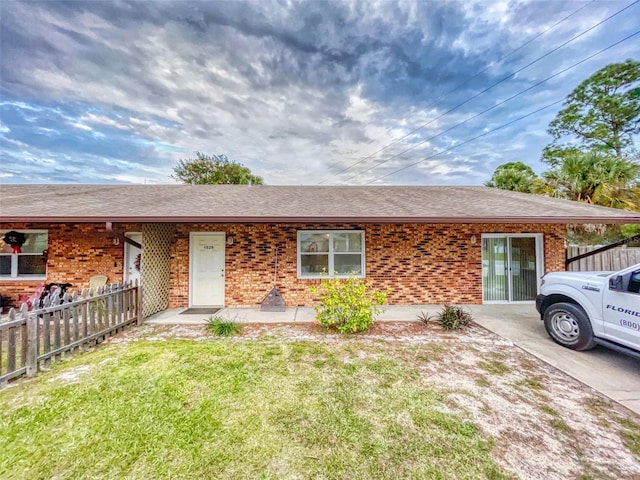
column 206, row 266
column 132, row 257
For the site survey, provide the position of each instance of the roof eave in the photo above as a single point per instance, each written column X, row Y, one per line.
column 321, row 219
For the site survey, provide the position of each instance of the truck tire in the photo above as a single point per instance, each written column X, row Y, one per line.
column 568, row 325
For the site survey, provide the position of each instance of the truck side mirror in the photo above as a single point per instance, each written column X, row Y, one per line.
column 615, row 283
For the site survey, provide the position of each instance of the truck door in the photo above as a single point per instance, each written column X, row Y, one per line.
column 621, row 309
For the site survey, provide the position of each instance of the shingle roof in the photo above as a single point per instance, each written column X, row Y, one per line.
column 242, row 203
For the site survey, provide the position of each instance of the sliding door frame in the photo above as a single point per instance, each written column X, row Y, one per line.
column 539, row 247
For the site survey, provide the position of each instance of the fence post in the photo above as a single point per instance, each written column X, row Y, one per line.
column 139, row 302
column 32, row 345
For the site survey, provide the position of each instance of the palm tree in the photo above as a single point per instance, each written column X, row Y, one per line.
column 595, row 178
column 619, row 184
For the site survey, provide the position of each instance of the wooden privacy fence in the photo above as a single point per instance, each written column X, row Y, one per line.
column 30, row 340
column 610, row 260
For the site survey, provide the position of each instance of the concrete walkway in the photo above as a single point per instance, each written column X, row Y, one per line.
column 293, row 314
column 610, row 373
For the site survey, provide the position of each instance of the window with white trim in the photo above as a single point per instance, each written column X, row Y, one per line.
column 30, row 262
column 336, row 252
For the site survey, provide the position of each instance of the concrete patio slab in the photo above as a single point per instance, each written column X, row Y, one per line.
column 174, row 316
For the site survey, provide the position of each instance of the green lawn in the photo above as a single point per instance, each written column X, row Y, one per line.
column 236, row 409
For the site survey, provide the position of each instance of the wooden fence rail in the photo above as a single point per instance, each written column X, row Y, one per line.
column 611, row 260
column 63, row 325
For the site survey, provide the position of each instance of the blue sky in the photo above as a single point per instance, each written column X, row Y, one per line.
column 300, row 92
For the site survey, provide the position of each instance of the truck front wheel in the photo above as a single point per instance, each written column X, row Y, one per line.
column 568, row 325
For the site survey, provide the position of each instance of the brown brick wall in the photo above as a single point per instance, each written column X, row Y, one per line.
column 420, row 263
column 76, row 252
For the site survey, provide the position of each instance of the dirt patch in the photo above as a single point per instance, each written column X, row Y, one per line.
column 542, row 423
column 72, row 375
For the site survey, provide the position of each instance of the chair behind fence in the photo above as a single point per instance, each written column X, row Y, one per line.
column 30, row 340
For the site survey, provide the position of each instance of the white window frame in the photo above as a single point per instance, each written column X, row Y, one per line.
column 15, row 275
column 331, row 255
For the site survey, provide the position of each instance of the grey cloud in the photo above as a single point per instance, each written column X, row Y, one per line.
column 273, row 84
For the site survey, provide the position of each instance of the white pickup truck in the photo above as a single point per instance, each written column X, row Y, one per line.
column 584, row 309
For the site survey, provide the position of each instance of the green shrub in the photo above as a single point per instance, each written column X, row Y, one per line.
column 222, row 327
column 424, row 318
column 348, row 305
column 453, row 318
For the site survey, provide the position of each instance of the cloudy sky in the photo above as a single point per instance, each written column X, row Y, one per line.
column 398, row 92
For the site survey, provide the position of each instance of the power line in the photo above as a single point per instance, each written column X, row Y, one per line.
column 413, row 147
column 457, row 87
column 502, row 126
column 468, row 141
column 495, row 84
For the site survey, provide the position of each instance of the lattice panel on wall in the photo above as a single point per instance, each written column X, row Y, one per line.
column 155, row 268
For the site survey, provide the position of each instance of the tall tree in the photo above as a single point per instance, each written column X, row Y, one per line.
column 595, row 178
column 602, row 113
column 215, row 169
column 514, row 176
column 600, row 179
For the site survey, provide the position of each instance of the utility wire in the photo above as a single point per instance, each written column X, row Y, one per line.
column 499, row 82
column 506, row 124
column 457, row 87
column 413, row 147
column 468, row 141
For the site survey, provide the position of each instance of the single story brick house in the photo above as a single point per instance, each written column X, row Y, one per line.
column 214, row 245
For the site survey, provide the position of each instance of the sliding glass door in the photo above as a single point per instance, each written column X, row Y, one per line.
column 511, row 267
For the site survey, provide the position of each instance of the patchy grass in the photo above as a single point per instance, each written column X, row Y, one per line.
column 495, row 367
column 556, row 421
column 483, row 382
column 631, row 435
column 597, row 406
column 533, row 383
column 229, row 409
column 293, row 401
column 430, row 353
column 560, row 425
